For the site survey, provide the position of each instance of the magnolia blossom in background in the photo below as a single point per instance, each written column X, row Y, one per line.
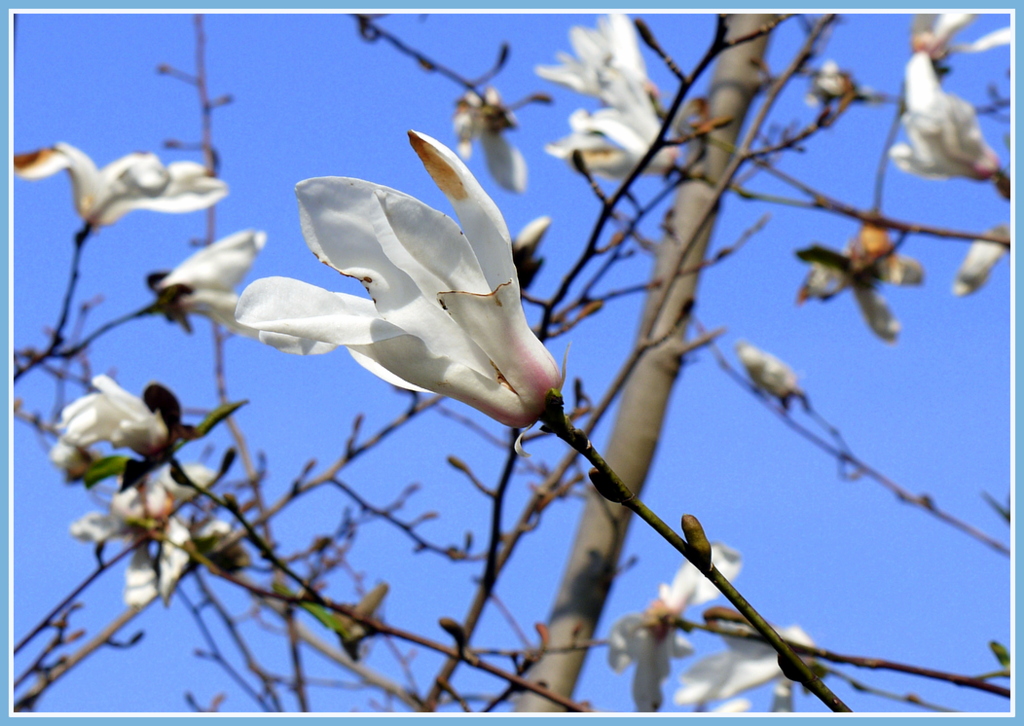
column 209, row 277
column 612, row 140
column 945, row 139
column 746, row 663
column 768, row 372
column 486, row 119
column 829, row 83
column 869, row 258
column 609, row 51
column 112, row 415
column 932, row 33
column 136, row 181
column 445, row 313
column 650, row 639
column 138, row 512
column 981, row 257
column 611, row 143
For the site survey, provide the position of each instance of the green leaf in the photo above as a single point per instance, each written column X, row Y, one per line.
column 216, row 416
column 1002, row 654
column 325, row 616
column 825, row 256
column 106, row 467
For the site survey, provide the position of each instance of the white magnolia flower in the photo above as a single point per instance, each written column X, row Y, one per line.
column 932, row 33
column 869, row 258
column 112, row 415
column 827, row 84
column 611, row 140
column 137, row 511
column 746, row 663
column 945, row 139
column 650, row 639
column 445, row 313
column 612, row 143
column 981, row 257
column 611, row 50
column 486, row 119
column 212, row 274
column 136, row 181
column 768, row 372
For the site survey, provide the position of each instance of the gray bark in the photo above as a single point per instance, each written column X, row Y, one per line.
column 638, row 424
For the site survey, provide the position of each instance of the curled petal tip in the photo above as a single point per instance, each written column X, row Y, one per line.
column 440, row 170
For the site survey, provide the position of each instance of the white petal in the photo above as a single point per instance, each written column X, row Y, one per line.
column 481, row 221
column 173, row 559
column 140, row 578
column 652, row 668
column 736, row 705
column 496, row 324
column 199, row 474
column 408, row 358
column 297, row 309
column 112, row 415
column 981, row 258
column 383, row 373
column 86, row 181
column 1003, row 36
column 140, row 181
column 96, row 527
column 219, row 306
column 40, row 164
column 619, row 638
column 295, row 345
column 690, row 587
column 746, row 664
column 530, row 235
column 766, row 371
column 949, row 24
column 220, row 266
column 876, row 313
column 504, row 161
column 782, row 696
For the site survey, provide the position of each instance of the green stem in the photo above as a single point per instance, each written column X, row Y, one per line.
column 610, row 486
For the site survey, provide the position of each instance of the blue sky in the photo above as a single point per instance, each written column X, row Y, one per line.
column 861, row 573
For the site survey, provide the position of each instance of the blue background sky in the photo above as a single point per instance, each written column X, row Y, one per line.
column 859, row 572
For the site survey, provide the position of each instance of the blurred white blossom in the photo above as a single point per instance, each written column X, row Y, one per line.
column 650, row 639
column 746, row 663
column 602, row 54
column 768, row 372
column 487, row 119
column 445, row 313
column 945, row 138
column 112, row 414
column 136, row 181
column 610, row 141
column 868, row 259
column 209, row 278
column 981, row 257
column 139, row 512
column 827, row 84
